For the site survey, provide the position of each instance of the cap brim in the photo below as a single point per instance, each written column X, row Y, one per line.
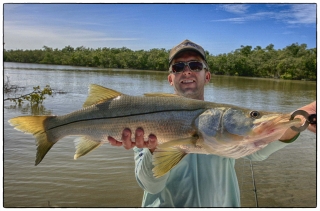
column 186, row 49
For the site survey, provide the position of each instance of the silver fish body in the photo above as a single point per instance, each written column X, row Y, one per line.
column 181, row 125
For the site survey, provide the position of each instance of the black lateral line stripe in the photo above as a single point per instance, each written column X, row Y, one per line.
column 100, row 118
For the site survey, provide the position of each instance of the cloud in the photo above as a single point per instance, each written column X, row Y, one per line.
column 302, row 14
column 248, row 17
column 294, row 14
column 235, row 8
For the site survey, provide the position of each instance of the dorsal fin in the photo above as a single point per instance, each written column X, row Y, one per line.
column 160, row 94
column 99, row 94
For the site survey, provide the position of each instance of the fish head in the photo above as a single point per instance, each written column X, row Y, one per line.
column 230, row 126
column 269, row 127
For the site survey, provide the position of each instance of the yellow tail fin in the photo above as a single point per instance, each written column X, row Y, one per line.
column 35, row 125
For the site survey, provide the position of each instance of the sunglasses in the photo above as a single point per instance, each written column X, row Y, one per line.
column 194, row 66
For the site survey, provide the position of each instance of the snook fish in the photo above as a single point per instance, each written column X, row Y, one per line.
column 182, row 126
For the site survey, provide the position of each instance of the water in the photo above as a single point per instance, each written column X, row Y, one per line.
column 105, row 177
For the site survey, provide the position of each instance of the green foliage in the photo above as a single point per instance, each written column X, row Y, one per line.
column 36, row 97
column 293, row 62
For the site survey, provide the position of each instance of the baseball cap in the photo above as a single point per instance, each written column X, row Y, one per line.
column 186, row 45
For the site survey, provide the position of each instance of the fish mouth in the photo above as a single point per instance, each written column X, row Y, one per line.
column 275, row 121
column 271, row 127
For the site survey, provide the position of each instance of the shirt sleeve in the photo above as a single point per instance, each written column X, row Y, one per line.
column 144, row 174
column 268, row 150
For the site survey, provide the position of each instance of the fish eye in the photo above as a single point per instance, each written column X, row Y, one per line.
column 255, row 114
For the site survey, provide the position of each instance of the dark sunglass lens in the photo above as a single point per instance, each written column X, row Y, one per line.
column 176, row 68
column 196, row 66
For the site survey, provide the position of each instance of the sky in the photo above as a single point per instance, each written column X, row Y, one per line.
column 218, row 28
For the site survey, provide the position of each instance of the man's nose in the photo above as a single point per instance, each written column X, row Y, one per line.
column 186, row 70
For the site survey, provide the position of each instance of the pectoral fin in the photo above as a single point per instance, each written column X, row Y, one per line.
column 165, row 159
column 84, row 146
column 169, row 154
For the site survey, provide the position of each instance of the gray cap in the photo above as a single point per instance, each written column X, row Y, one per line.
column 186, row 45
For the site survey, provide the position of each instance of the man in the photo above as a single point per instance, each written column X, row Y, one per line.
column 198, row 180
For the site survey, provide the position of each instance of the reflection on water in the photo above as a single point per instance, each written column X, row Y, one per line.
column 105, row 177
column 26, row 108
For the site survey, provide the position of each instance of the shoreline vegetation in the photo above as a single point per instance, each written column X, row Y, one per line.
column 294, row 62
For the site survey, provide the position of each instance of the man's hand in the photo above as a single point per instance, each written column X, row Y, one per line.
column 139, row 142
column 311, row 109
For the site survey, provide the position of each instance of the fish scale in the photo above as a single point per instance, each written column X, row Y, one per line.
column 182, row 126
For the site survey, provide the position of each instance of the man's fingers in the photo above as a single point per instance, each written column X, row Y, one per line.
column 139, row 138
column 126, row 139
column 114, row 142
column 127, row 143
column 313, row 128
column 311, row 109
column 152, row 142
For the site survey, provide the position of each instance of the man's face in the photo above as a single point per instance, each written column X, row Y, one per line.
column 188, row 83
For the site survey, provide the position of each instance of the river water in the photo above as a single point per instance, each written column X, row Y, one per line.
column 105, row 177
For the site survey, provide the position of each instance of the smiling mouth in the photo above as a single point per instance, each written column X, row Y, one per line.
column 188, row 81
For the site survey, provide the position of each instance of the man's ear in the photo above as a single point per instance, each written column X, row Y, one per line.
column 170, row 79
column 208, row 76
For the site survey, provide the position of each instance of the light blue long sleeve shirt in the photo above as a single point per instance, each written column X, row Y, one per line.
column 197, row 181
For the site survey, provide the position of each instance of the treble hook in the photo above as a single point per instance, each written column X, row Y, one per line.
column 310, row 119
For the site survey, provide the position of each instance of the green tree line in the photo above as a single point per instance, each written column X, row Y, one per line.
column 292, row 62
